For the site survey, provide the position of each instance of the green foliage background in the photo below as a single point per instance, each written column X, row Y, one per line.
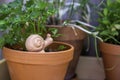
column 19, row 19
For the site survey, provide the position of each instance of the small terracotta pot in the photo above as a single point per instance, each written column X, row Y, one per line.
column 74, row 37
column 25, row 65
column 111, row 60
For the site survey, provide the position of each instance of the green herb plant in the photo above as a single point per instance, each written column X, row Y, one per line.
column 20, row 18
column 61, row 47
column 54, row 32
column 109, row 22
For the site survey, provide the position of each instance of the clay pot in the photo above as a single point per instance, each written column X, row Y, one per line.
column 111, row 60
column 69, row 36
column 25, row 65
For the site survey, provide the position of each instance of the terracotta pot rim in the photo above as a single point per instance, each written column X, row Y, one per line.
column 51, row 58
column 110, row 44
column 47, row 53
column 108, row 48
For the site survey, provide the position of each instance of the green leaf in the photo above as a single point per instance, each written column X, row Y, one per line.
column 41, row 5
column 105, row 32
column 105, row 11
column 113, row 29
column 2, row 40
column 2, row 22
column 107, row 38
column 114, row 33
column 5, row 5
column 54, row 32
column 108, row 2
column 105, row 21
column 99, row 13
column 118, row 1
column 61, row 47
column 34, row 14
column 117, row 26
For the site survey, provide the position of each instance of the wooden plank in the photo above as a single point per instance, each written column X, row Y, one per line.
column 4, row 75
column 89, row 68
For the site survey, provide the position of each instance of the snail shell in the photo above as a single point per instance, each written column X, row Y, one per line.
column 35, row 43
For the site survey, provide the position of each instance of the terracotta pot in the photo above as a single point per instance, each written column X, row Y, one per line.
column 25, row 65
column 111, row 60
column 69, row 36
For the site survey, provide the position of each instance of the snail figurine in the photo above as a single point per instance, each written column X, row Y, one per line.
column 35, row 43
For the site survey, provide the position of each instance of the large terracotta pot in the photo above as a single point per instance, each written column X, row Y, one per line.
column 25, row 65
column 69, row 36
column 111, row 60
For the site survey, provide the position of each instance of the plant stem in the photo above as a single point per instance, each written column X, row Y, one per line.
column 33, row 25
column 96, row 49
column 72, row 8
column 38, row 26
column 88, row 43
column 115, row 39
column 85, row 24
